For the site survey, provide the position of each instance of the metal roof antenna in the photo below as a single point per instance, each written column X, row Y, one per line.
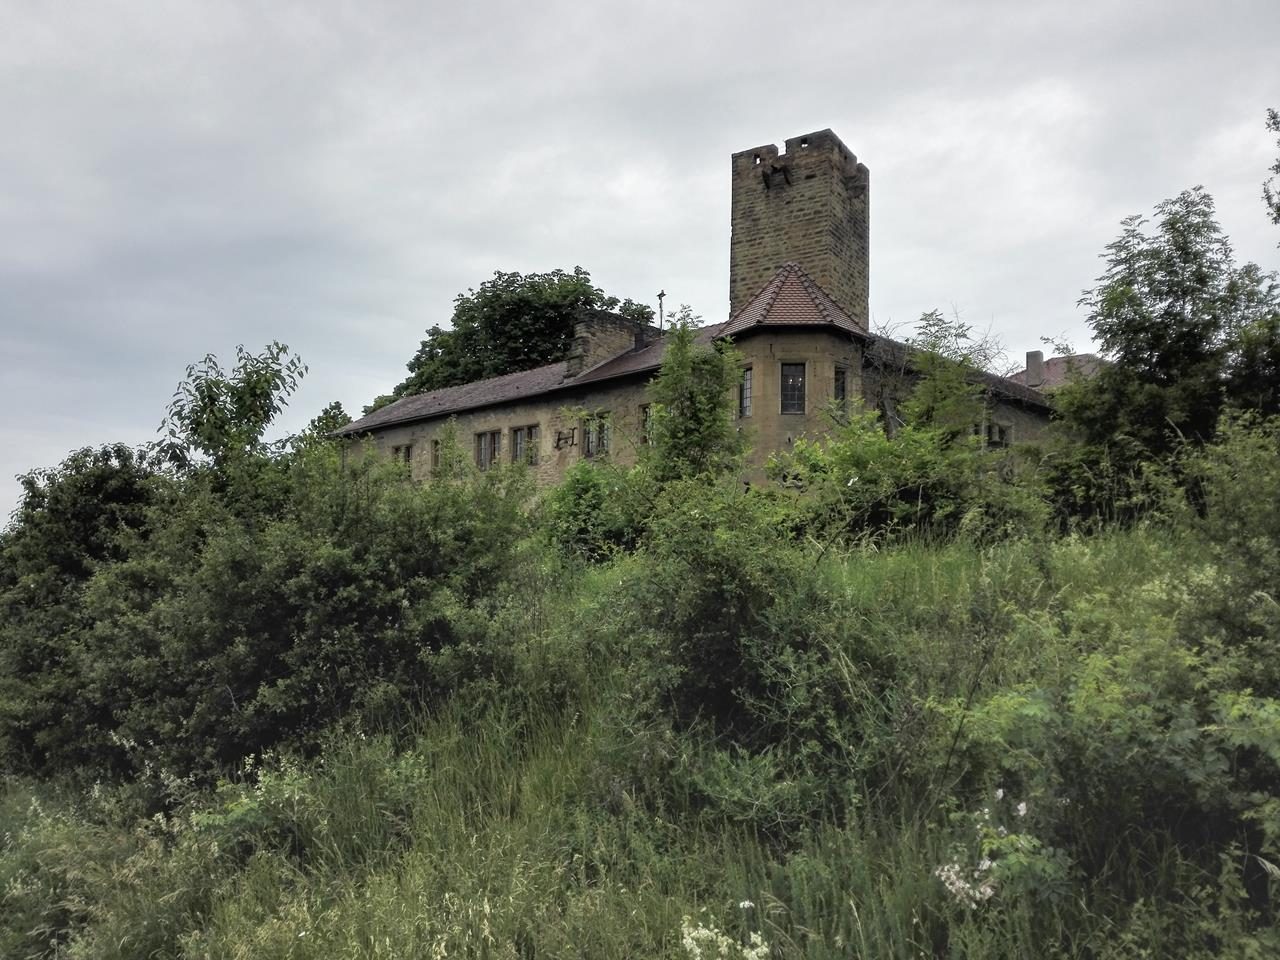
column 661, row 295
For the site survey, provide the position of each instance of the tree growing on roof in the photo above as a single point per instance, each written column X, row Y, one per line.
column 512, row 322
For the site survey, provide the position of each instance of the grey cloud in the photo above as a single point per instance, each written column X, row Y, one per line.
column 178, row 179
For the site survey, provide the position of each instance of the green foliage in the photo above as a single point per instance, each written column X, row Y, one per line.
column 223, row 414
column 931, row 478
column 1269, row 195
column 215, row 637
column 73, row 521
column 692, row 432
column 340, row 714
column 598, row 508
column 324, row 424
column 947, row 396
column 1189, row 333
column 513, row 322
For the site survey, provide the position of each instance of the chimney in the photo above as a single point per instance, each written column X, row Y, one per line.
column 1035, row 368
column 599, row 335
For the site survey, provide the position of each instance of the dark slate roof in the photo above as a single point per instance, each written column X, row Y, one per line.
column 890, row 353
column 791, row 298
column 468, row 396
column 518, row 386
column 646, row 358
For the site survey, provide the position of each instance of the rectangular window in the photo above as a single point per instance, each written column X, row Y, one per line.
column 744, row 394
column 488, row 445
column 646, row 422
column 524, row 444
column 999, row 435
column 793, row 388
column 435, row 454
column 840, row 390
column 404, row 454
column 595, row 436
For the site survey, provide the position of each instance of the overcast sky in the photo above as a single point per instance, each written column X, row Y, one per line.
column 177, row 178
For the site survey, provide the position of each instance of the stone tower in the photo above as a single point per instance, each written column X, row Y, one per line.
column 810, row 205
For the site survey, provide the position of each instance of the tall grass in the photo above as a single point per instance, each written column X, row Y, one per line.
column 532, row 818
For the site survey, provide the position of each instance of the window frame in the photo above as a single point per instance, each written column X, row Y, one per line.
column 493, row 455
column 595, row 435
column 840, row 386
column 745, row 391
column 525, row 444
column 403, row 453
column 783, row 399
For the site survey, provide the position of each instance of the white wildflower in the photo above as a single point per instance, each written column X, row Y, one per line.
column 1022, row 809
column 1000, row 793
column 745, row 905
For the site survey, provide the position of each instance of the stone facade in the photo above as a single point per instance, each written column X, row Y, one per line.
column 799, row 268
column 810, row 205
column 561, row 419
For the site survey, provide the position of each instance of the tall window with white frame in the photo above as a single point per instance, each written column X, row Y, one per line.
column 793, row 388
column 840, row 389
column 488, row 446
column 744, row 394
column 524, row 444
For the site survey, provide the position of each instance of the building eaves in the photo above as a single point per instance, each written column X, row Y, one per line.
column 892, row 354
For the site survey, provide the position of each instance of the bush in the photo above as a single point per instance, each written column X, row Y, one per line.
column 220, row 634
column 858, row 482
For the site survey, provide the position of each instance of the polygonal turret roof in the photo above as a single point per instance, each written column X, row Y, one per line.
column 791, row 298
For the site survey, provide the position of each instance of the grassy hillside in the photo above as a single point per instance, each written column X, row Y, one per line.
column 1016, row 776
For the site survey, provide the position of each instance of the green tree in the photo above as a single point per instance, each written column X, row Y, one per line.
column 73, row 520
column 1188, row 331
column 1269, row 195
column 512, row 322
column 692, row 432
column 324, row 424
column 222, row 414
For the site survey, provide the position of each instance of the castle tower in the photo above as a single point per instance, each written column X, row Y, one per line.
column 809, row 205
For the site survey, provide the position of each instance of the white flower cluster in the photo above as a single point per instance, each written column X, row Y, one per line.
column 970, row 888
column 968, row 892
column 708, row 943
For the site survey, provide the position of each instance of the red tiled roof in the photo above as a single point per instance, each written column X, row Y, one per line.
column 790, row 298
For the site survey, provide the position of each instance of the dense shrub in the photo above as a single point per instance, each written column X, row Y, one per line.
column 223, row 633
column 924, row 480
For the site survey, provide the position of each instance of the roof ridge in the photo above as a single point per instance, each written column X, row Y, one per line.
column 816, row 294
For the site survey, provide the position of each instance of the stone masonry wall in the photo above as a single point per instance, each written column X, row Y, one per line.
column 560, row 416
column 810, row 205
column 599, row 336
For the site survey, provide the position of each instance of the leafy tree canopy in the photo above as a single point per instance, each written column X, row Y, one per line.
column 1188, row 331
column 1269, row 193
column 223, row 413
column 512, row 322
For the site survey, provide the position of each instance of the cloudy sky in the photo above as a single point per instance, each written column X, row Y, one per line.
column 181, row 177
